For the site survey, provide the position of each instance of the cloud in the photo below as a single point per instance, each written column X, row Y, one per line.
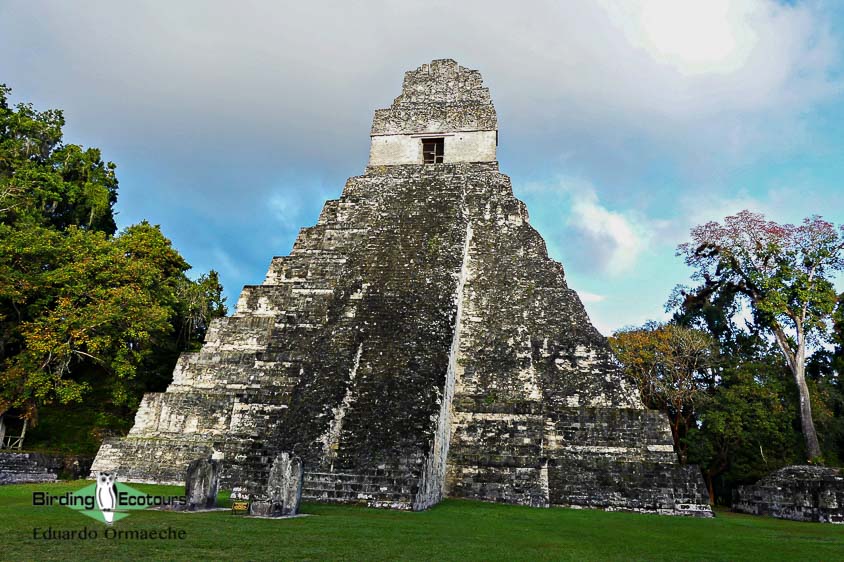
column 611, row 238
column 591, row 236
column 783, row 204
column 298, row 81
column 244, row 116
column 588, row 297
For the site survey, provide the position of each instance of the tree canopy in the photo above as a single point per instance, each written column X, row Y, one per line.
column 739, row 370
column 84, row 310
column 731, row 409
column 782, row 272
column 672, row 366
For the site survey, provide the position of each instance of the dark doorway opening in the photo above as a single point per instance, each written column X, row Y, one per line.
column 433, row 150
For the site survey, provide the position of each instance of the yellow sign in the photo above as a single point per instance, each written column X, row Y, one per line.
column 240, row 507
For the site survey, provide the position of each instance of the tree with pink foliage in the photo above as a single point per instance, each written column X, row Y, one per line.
column 784, row 272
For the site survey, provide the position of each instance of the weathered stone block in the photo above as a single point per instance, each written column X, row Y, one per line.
column 800, row 493
column 284, row 489
column 202, row 483
column 17, row 468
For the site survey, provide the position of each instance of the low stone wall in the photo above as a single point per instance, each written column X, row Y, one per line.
column 799, row 493
column 21, row 468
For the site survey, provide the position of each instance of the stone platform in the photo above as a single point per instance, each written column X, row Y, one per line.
column 799, row 493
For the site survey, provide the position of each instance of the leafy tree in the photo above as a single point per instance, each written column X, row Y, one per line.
column 83, row 311
column 825, row 368
column 46, row 182
column 87, row 302
column 783, row 273
column 200, row 301
column 672, row 366
column 745, row 424
column 197, row 303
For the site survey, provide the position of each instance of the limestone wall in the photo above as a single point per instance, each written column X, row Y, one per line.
column 468, row 146
column 441, row 97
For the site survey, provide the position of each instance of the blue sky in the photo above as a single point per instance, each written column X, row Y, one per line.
column 622, row 124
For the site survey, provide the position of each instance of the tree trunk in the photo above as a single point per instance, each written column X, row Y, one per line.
column 797, row 365
column 813, row 448
column 674, row 425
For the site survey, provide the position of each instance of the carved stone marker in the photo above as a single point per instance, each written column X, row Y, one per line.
column 801, row 493
column 284, row 488
column 201, row 484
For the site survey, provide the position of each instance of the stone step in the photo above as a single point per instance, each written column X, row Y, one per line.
column 239, row 333
column 328, row 237
column 304, row 301
column 338, row 478
column 238, row 373
column 371, row 489
column 324, row 264
column 151, row 460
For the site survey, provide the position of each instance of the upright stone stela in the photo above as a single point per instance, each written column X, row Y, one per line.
column 418, row 342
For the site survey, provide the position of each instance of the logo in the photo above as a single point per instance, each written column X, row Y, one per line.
column 106, row 496
column 107, row 500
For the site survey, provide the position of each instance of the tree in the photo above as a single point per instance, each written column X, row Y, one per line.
column 200, row 302
column 83, row 311
column 825, row 368
column 745, row 425
column 47, row 182
column 783, row 273
column 91, row 307
column 197, row 303
column 672, row 367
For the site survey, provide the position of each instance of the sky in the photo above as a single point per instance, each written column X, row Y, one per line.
column 622, row 123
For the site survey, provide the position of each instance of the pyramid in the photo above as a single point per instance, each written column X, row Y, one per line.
column 418, row 342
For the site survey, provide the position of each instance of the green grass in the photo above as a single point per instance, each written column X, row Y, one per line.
column 453, row 530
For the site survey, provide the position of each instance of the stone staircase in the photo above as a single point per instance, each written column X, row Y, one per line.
column 377, row 488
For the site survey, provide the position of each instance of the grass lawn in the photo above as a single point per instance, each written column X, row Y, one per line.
column 453, row 530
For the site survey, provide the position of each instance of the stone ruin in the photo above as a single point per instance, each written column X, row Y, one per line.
column 23, row 468
column 800, row 493
column 418, row 342
column 284, row 489
column 202, row 482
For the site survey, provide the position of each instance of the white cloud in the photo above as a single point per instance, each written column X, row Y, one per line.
column 586, row 296
column 617, row 239
column 723, row 55
column 694, row 37
column 594, row 236
column 294, row 79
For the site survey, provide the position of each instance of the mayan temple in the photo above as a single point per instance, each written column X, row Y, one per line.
column 418, row 342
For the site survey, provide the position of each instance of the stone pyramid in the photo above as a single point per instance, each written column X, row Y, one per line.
column 418, row 342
